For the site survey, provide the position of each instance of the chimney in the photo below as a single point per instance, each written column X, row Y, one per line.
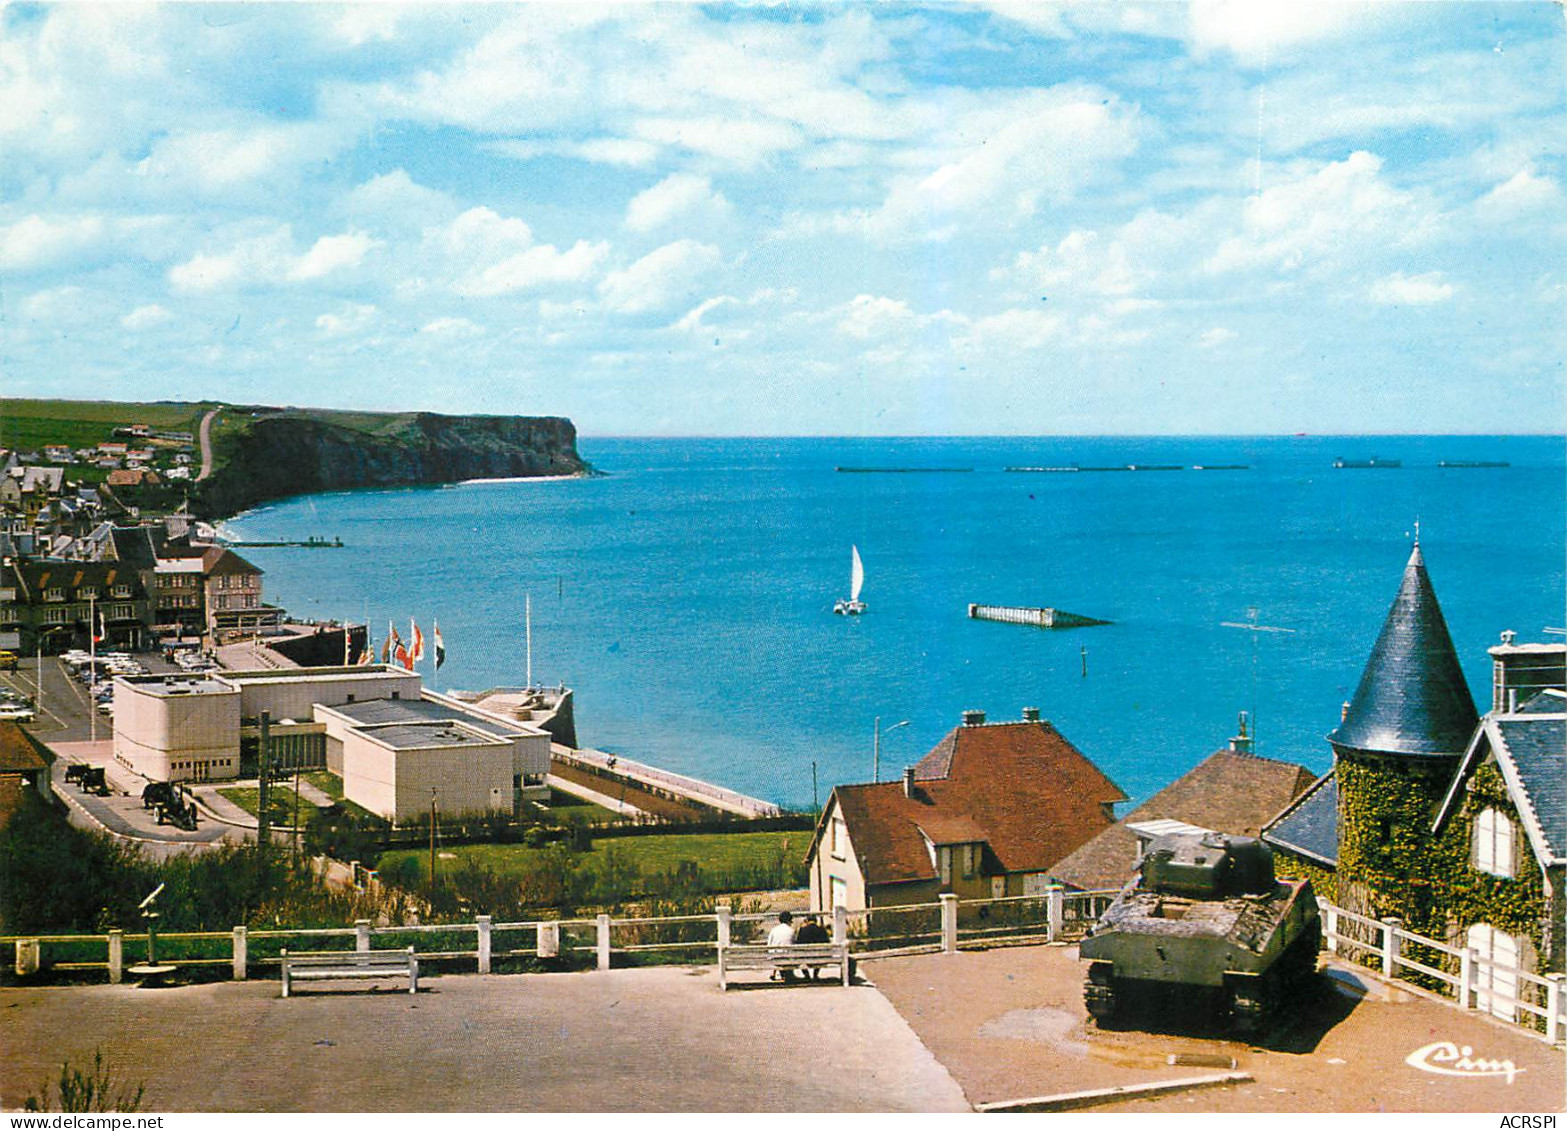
column 908, row 781
column 1343, row 712
column 1030, row 714
column 1521, row 671
column 973, row 718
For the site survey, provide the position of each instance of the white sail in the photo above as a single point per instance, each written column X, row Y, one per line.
column 856, row 575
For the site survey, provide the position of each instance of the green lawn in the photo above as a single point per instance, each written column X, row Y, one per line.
column 248, row 798
column 327, row 782
column 562, row 804
column 30, row 424
column 725, row 858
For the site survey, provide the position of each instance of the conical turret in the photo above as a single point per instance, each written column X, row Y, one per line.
column 1412, row 698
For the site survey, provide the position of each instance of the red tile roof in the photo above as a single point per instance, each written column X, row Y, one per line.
column 1022, row 788
column 1227, row 792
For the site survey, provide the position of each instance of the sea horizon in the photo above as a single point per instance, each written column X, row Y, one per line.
column 686, row 594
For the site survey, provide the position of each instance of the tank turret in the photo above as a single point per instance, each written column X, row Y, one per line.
column 1205, row 912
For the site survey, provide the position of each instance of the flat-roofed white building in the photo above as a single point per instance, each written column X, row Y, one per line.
column 395, row 770
column 530, row 745
column 389, row 739
column 177, row 728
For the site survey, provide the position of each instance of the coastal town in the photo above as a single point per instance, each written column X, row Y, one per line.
column 155, row 699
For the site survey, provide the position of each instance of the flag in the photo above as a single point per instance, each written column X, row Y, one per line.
column 98, row 632
column 367, row 653
column 416, row 650
column 440, row 647
column 403, row 659
column 399, row 652
column 386, row 649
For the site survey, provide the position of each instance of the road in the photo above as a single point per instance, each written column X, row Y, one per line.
column 205, row 432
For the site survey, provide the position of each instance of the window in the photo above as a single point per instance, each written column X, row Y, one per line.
column 1493, row 851
column 56, row 616
column 54, row 594
column 944, row 861
column 970, row 854
column 840, row 891
column 122, row 590
column 840, row 838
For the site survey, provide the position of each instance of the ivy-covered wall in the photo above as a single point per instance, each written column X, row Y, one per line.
column 1386, row 806
column 1324, row 882
column 1467, row 895
column 1391, row 864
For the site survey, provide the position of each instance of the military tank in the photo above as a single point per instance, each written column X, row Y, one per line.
column 1204, row 914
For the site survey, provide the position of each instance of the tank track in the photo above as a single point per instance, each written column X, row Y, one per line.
column 1099, row 994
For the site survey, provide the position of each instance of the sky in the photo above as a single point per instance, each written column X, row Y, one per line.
column 661, row 219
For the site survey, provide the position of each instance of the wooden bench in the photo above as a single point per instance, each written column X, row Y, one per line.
column 322, row 965
column 778, row 958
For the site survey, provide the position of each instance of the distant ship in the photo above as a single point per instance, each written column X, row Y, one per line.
column 1473, row 463
column 1373, row 462
column 853, row 607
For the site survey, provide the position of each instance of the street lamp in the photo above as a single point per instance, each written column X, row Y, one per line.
column 876, row 746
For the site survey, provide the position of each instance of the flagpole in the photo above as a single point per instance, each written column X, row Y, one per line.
column 93, row 661
column 527, row 605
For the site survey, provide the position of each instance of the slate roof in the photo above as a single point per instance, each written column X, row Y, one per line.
column 1538, row 748
column 1412, row 698
column 1530, row 748
column 1226, row 792
column 1022, row 788
column 1309, row 827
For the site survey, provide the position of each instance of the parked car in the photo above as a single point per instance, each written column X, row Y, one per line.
column 8, row 661
column 16, row 712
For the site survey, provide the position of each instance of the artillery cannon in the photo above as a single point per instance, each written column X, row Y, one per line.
column 1204, row 915
column 157, row 793
column 178, row 809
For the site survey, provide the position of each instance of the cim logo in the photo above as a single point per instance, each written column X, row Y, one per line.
column 1447, row 1059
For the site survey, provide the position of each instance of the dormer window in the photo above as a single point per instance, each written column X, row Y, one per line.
column 54, row 594
column 122, row 590
column 1493, row 843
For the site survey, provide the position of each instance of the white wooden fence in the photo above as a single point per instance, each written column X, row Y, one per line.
column 1467, row 978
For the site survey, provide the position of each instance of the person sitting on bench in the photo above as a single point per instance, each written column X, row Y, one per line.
column 811, row 931
column 781, row 936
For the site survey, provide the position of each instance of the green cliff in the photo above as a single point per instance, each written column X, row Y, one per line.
column 262, row 454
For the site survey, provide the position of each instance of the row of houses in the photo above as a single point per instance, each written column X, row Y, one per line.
column 135, row 586
column 1454, row 823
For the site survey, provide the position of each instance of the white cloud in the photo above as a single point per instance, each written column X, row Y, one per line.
column 145, row 316
column 1399, row 289
column 679, row 196
column 1048, row 146
column 1019, row 328
column 55, row 304
column 1216, row 337
column 1526, row 192
column 659, row 278
column 395, row 200
column 263, row 258
column 628, row 152
column 1252, row 30
column 39, row 241
column 869, row 316
column 353, row 317
column 268, row 259
column 691, row 322
column 451, row 327
column 332, row 253
column 540, row 264
column 1323, row 216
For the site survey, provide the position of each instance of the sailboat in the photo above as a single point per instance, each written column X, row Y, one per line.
column 853, row 607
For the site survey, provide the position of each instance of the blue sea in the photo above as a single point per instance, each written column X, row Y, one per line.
column 686, row 595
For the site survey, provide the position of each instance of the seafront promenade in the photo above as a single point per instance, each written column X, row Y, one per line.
column 935, row 1032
